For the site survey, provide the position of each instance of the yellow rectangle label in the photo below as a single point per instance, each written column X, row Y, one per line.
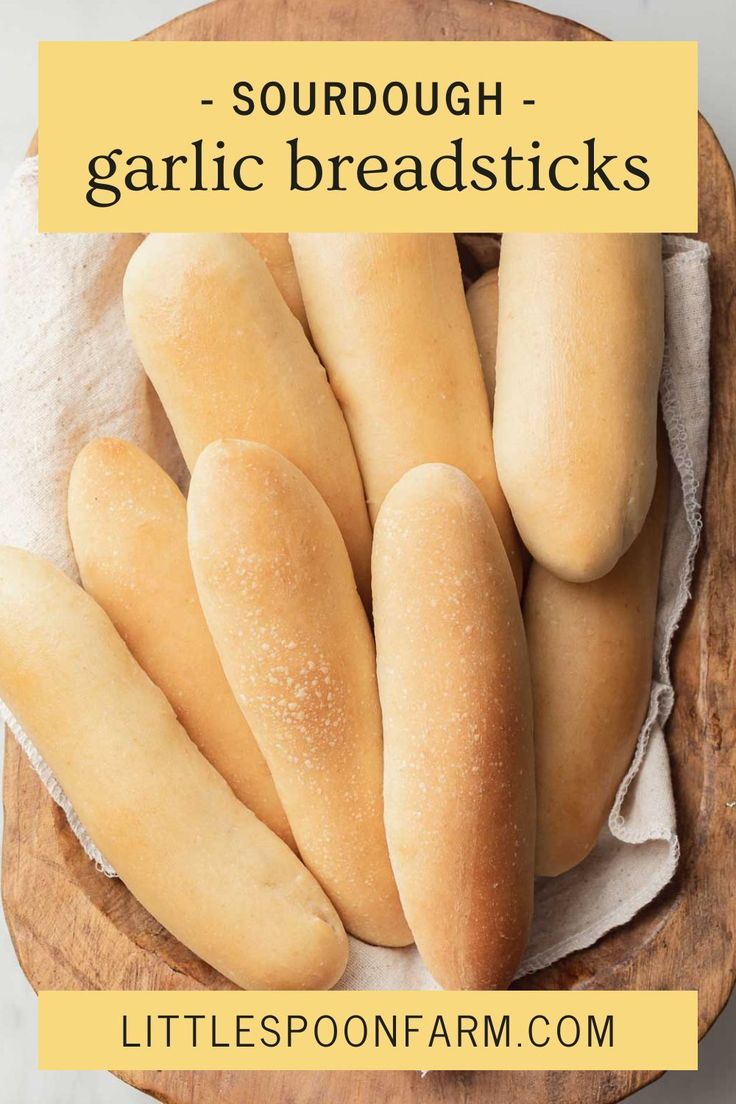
column 532, row 1030
column 368, row 136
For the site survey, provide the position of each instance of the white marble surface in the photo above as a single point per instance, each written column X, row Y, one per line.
column 713, row 24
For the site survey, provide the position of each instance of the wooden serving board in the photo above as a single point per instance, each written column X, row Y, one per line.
column 73, row 928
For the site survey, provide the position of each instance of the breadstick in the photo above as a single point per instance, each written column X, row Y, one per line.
column 275, row 585
column 459, row 763
column 276, row 252
column 590, row 652
column 482, row 300
column 228, row 359
column 399, row 348
column 201, row 863
column 580, row 338
column 128, row 524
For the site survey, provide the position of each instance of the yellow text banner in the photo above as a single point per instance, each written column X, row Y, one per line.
column 534, row 1030
column 368, row 136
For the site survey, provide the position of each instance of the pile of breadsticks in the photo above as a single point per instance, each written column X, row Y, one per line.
column 308, row 699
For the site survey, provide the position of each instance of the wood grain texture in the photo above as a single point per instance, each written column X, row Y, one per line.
column 72, row 928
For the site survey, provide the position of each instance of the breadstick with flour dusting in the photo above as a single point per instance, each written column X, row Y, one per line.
column 457, row 715
column 275, row 584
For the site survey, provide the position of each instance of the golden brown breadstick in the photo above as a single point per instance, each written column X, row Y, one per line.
column 275, row 584
column 398, row 345
column 229, row 359
column 590, row 652
column 276, row 252
column 579, row 354
column 456, row 701
column 193, row 855
column 128, row 523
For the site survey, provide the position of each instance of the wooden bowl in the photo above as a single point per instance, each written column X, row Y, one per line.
column 74, row 929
